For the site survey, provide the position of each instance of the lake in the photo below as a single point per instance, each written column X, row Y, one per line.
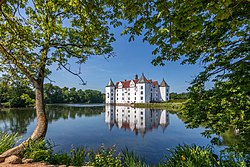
column 147, row 132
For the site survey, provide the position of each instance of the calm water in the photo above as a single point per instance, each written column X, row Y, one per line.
column 148, row 132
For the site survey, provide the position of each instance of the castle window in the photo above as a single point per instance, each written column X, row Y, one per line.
column 128, row 93
column 141, row 92
column 122, row 94
column 141, row 98
column 108, row 95
column 135, row 98
column 123, row 98
column 141, row 87
column 135, row 93
column 129, row 98
column 117, row 98
column 111, row 98
column 112, row 94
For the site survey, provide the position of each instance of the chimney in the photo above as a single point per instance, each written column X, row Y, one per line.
column 136, row 76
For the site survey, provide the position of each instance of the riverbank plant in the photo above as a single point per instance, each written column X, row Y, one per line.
column 182, row 155
column 7, row 141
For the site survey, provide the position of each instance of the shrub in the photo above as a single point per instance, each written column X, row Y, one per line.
column 186, row 156
column 39, row 150
column 105, row 157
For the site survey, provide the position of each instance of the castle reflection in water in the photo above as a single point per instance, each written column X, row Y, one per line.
column 138, row 120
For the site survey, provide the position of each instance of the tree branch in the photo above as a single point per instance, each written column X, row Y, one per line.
column 9, row 56
column 76, row 74
column 71, row 44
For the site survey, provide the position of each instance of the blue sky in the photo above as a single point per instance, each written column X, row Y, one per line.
column 131, row 58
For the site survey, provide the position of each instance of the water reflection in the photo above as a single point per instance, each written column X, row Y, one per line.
column 17, row 120
column 138, row 120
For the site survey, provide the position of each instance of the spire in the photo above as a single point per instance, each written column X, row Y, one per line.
column 143, row 79
column 164, row 83
column 111, row 83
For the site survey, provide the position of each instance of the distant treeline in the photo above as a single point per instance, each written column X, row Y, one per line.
column 180, row 96
column 18, row 95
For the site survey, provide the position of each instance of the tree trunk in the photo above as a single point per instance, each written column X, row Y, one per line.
column 41, row 125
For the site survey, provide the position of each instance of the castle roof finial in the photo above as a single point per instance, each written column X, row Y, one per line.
column 164, row 83
column 111, row 83
column 143, row 79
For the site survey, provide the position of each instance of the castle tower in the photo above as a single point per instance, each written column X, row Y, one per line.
column 110, row 116
column 110, row 92
column 142, row 90
column 164, row 90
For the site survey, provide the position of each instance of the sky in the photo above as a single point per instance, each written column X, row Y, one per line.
column 131, row 58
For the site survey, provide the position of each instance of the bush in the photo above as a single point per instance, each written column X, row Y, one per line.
column 105, row 157
column 186, row 156
column 39, row 150
column 7, row 141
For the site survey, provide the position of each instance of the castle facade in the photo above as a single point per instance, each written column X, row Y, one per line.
column 136, row 91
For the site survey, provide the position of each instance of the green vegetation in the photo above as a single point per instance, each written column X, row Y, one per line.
column 184, row 156
column 187, row 156
column 15, row 94
column 55, row 94
column 18, row 95
column 7, row 141
column 179, row 96
column 215, row 34
column 171, row 105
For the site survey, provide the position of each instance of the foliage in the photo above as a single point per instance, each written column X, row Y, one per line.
column 105, row 157
column 39, row 150
column 180, row 96
column 172, row 105
column 130, row 159
column 201, row 156
column 36, row 34
column 7, row 141
column 16, row 94
column 78, row 156
column 215, row 34
column 55, row 94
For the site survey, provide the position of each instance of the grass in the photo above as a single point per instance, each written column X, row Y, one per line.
column 171, row 105
column 7, row 141
column 182, row 155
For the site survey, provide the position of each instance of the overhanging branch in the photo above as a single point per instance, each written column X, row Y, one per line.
column 10, row 57
column 76, row 74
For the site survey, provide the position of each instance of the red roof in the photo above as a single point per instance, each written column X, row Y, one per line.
column 155, row 83
column 126, row 84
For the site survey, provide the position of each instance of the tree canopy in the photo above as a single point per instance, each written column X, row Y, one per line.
column 215, row 34
column 36, row 34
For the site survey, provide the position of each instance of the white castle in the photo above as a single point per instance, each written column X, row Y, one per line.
column 136, row 91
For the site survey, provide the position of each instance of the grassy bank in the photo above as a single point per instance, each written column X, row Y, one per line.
column 185, row 156
column 171, row 105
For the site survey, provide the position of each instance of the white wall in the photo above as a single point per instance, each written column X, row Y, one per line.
column 110, row 94
column 138, row 120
